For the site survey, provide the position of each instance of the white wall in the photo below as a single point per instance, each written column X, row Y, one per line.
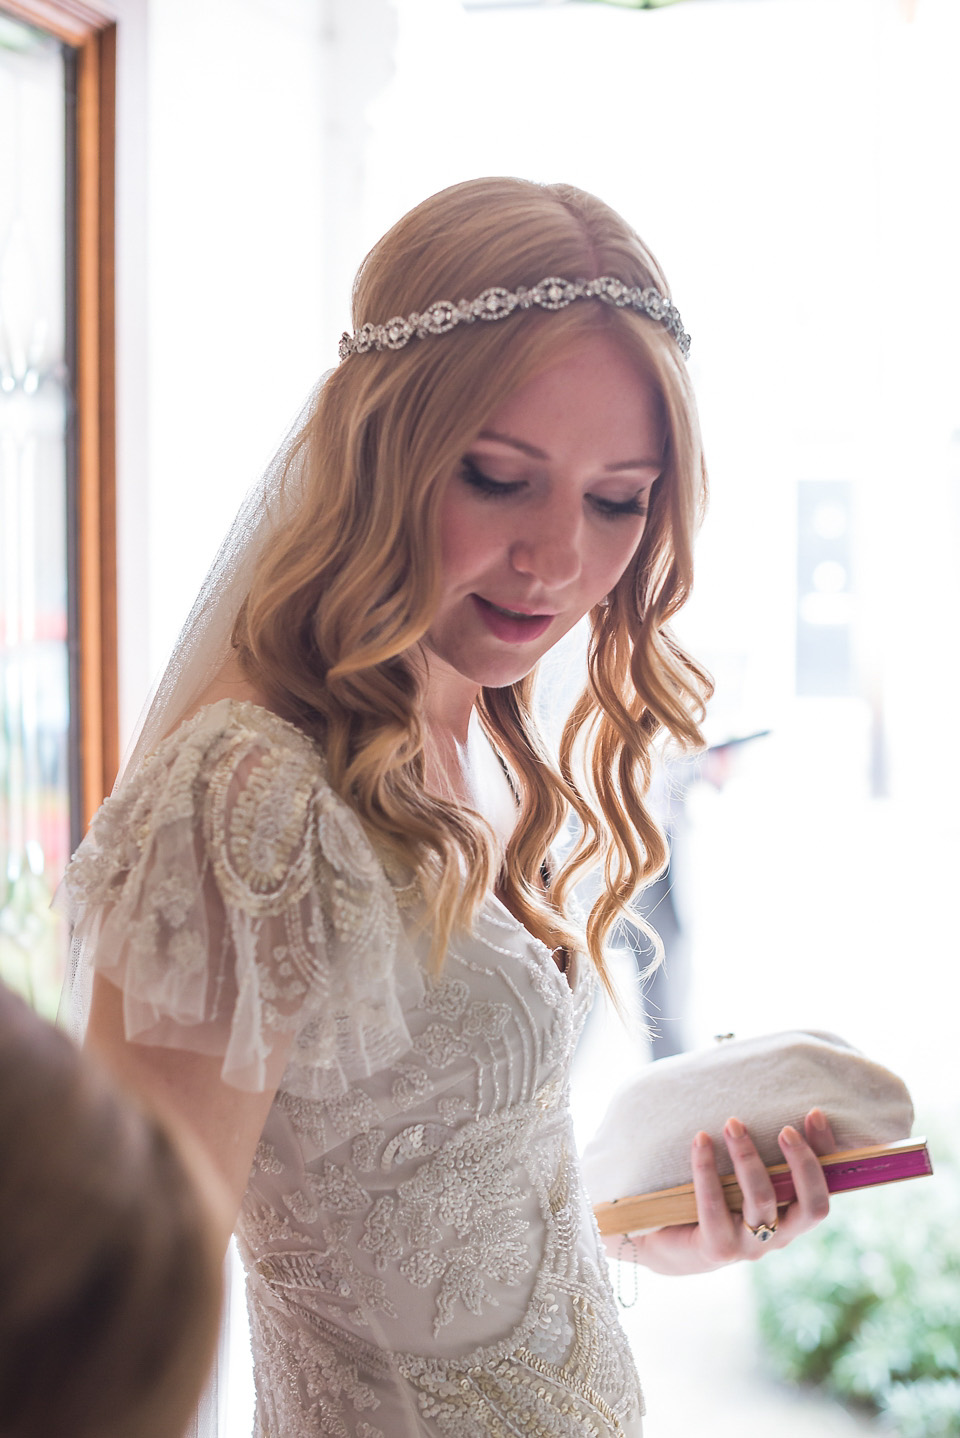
column 219, row 275
column 234, row 262
column 789, row 162
column 236, row 120
column 132, row 397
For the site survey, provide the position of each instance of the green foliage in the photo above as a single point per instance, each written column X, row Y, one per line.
column 929, row 1408
column 32, row 942
column 868, row 1306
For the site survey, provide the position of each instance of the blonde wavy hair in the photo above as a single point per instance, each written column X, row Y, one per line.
column 352, row 581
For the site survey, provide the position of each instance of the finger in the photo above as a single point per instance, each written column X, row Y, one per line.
column 759, row 1199
column 717, row 1230
column 813, row 1200
column 819, row 1134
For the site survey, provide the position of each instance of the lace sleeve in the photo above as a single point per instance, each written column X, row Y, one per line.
column 237, row 903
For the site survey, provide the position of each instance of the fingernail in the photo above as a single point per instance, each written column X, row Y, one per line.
column 789, row 1136
column 702, row 1140
column 734, row 1128
column 819, row 1119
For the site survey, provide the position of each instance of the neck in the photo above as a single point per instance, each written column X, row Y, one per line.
column 471, row 774
column 449, row 699
column 447, row 765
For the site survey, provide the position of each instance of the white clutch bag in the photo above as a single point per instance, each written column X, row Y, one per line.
column 643, row 1143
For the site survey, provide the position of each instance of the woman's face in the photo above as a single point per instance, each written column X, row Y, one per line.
column 544, row 514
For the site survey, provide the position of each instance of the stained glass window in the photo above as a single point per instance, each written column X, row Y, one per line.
column 35, row 702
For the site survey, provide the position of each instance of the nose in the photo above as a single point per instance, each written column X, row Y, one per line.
column 550, row 550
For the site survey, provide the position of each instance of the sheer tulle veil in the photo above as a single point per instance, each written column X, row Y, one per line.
column 204, row 643
column 203, row 647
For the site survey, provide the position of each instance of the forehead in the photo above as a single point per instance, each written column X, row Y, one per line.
column 593, row 403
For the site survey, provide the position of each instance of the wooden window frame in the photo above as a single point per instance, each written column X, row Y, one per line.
column 92, row 36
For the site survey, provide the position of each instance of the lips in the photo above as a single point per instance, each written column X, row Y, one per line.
column 511, row 625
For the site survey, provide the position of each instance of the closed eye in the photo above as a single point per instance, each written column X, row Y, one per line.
column 614, row 508
column 491, row 488
column 471, row 473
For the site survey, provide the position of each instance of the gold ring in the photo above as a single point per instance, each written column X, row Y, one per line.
column 763, row 1231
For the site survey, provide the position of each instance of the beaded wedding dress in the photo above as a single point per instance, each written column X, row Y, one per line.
column 421, row 1256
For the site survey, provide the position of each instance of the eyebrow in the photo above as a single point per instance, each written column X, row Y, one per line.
column 535, row 453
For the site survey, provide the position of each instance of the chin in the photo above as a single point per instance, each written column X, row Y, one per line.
column 475, row 663
column 504, row 681
column 501, row 677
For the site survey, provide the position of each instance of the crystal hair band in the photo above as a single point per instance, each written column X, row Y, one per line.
column 495, row 304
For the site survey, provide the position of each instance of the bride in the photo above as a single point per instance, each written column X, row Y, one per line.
column 322, row 913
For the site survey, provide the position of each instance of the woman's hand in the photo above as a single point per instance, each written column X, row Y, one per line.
column 721, row 1237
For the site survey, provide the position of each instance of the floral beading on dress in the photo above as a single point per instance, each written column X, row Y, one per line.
column 421, row 1256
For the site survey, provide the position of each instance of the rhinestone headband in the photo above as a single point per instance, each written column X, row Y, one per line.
column 495, row 304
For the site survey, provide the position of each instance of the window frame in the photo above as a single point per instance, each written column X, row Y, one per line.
column 91, row 35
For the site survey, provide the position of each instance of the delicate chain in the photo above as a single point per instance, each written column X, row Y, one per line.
column 551, row 293
column 621, row 1264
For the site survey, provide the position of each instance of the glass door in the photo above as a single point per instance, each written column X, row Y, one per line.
column 58, row 712
column 38, row 778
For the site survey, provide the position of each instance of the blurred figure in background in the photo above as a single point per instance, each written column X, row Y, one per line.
column 665, row 903
column 109, row 1270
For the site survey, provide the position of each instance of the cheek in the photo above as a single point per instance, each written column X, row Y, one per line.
column 466, row 538
column 454, row 535
column 620, row 556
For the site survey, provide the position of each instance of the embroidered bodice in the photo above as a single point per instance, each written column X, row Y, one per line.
column 421, row 1256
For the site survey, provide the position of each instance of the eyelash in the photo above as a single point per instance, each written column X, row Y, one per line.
column 613, row 509
column 490, row 488
column 502, row 489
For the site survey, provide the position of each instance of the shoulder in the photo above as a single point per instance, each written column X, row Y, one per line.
column 246, row 787
column 216, row 733
column 252, row 786
column 225, row 753
column 236, row 899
